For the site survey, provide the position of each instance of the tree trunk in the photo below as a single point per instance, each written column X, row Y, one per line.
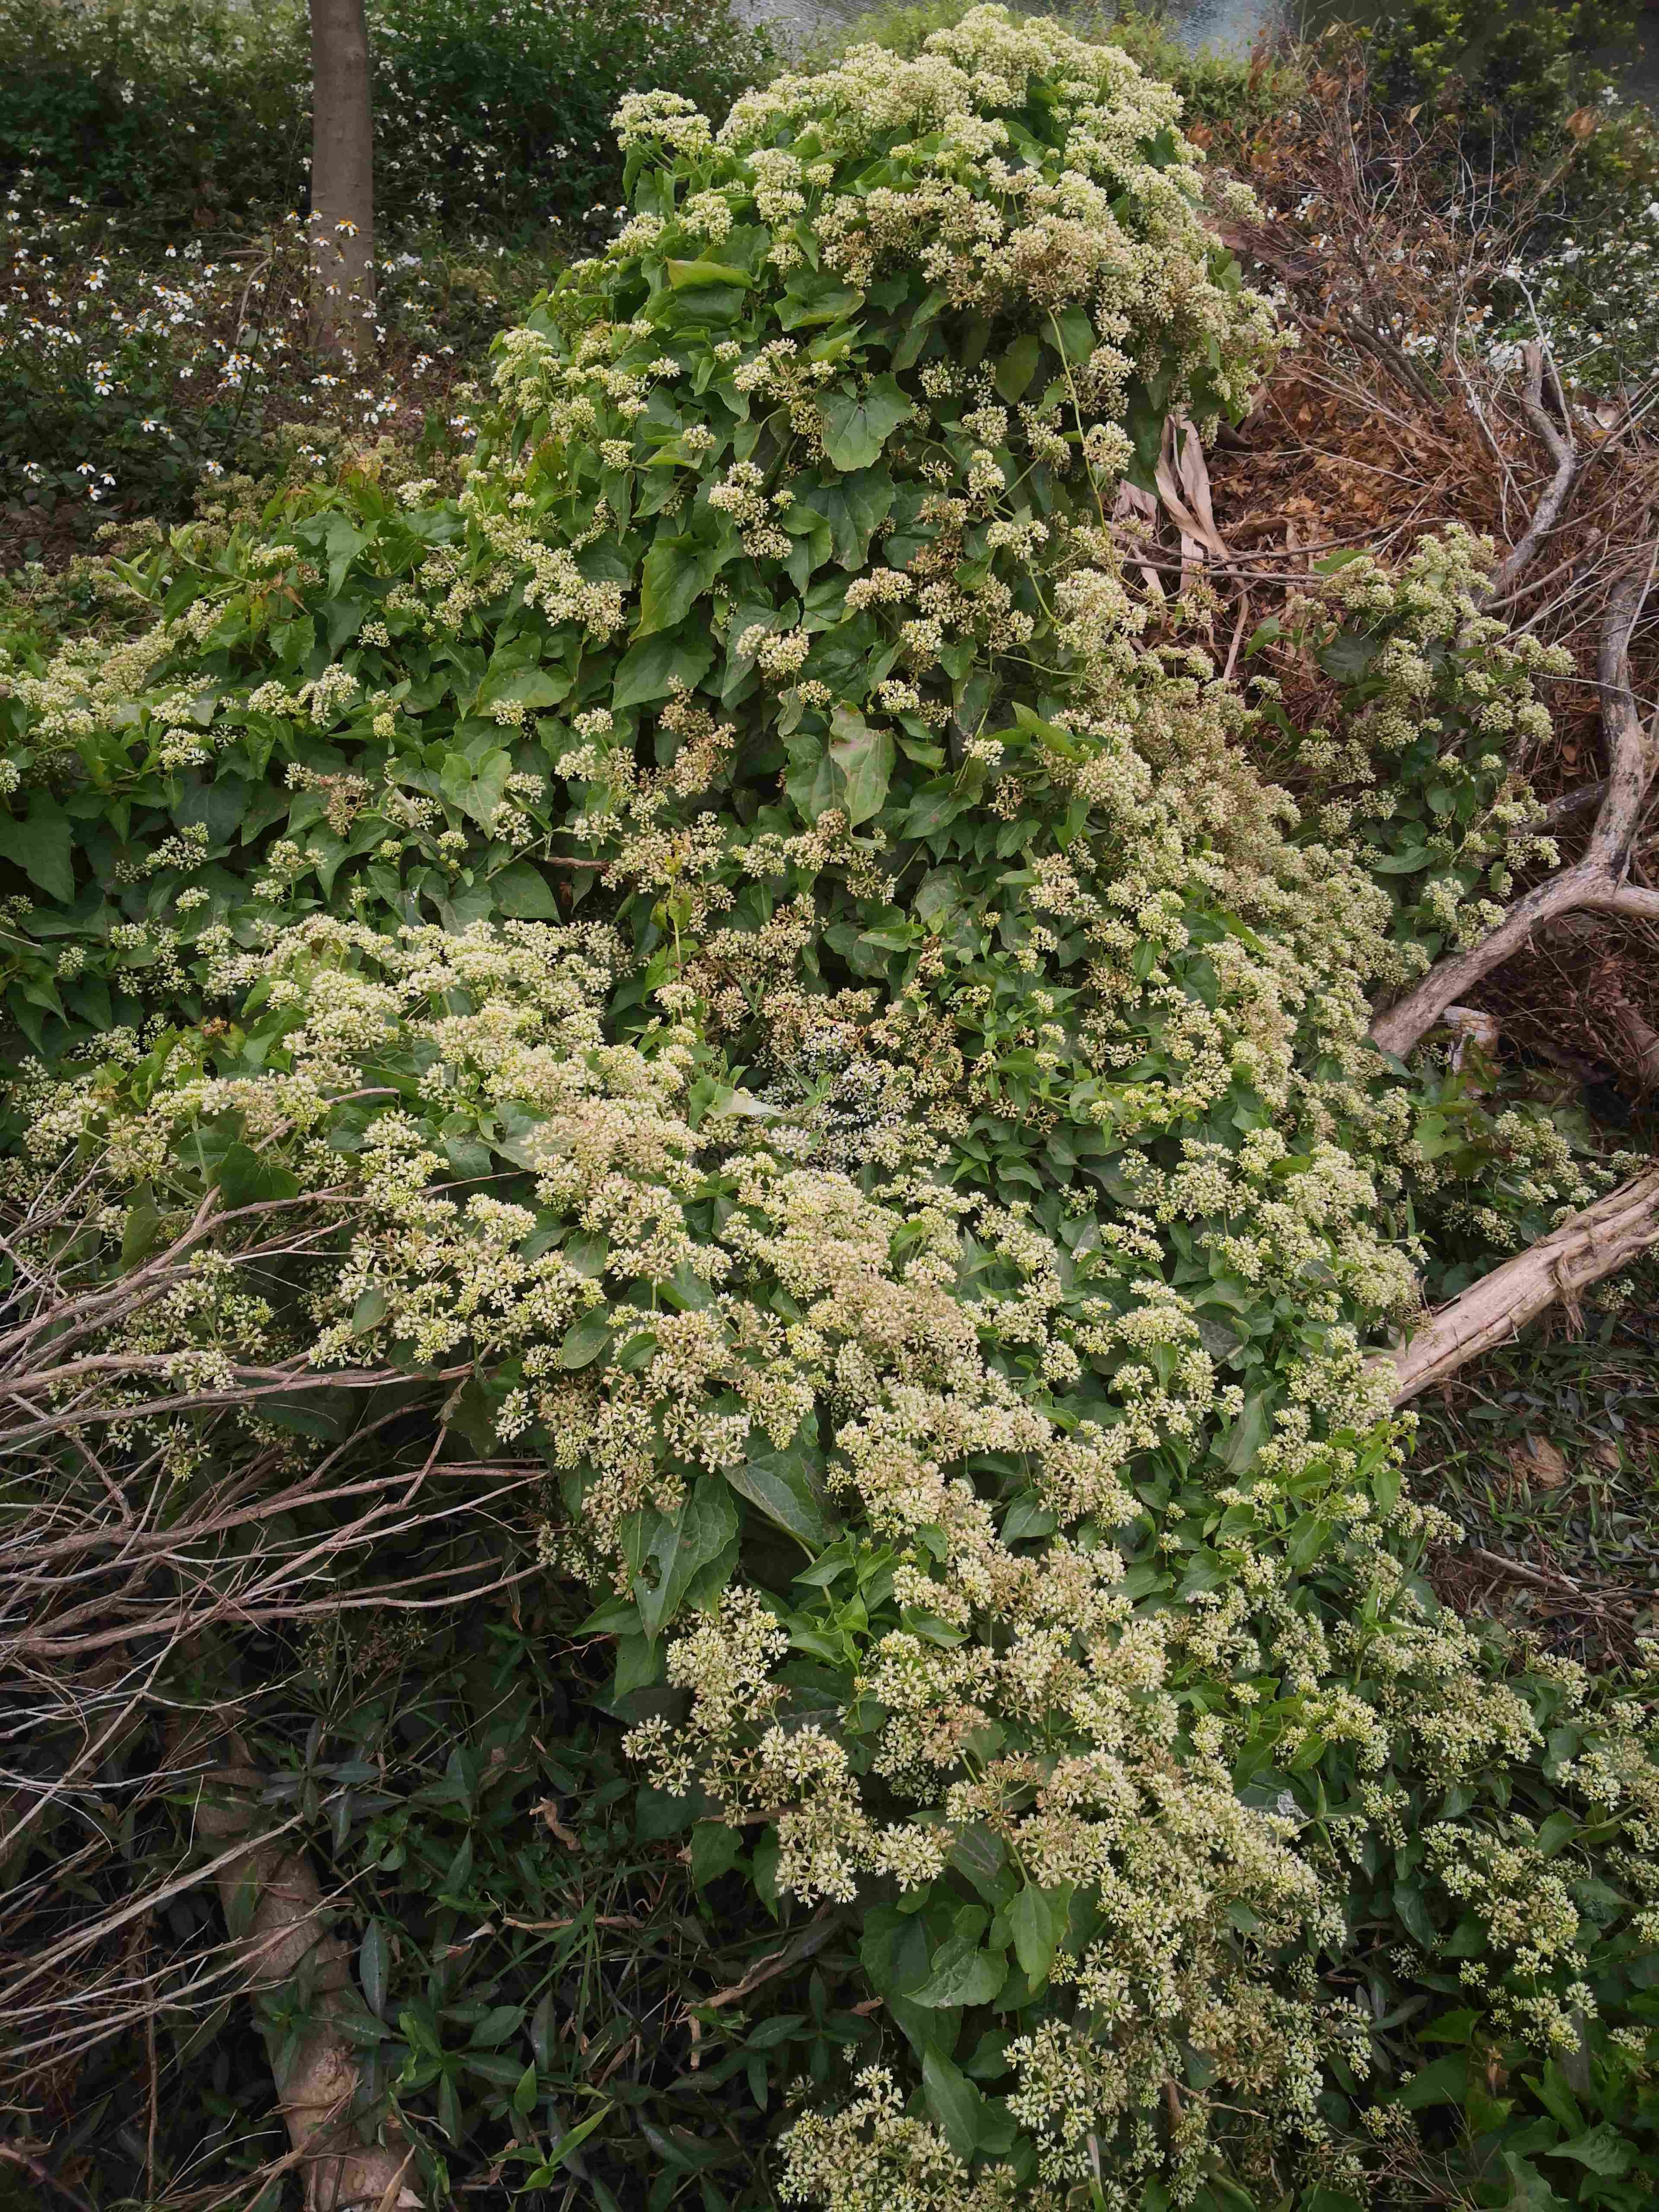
column 280, row 1894
column 342, row 180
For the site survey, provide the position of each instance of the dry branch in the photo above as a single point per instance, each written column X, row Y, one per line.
column 1562, row 452
column 1593, row 1245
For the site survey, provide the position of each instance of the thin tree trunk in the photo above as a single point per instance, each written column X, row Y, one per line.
column 278, row 1892
column 342, row 180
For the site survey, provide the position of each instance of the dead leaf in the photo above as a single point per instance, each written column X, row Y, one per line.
column 1134, row 504
column 1183, row 485
column 550, row 1812
column 1538, row 1461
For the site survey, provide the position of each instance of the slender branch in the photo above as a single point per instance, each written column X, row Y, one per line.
column 820, row 1930
column 1570, row 803
column 1630, row 753
column 1594, row 1244
column 1562, row 452
column 146, row 1409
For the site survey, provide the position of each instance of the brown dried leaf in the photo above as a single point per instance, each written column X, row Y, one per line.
column 550, row 1812
column 1538, row 1461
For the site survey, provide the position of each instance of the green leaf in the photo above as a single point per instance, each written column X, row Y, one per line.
column 449, row 2106
column 40, row 847
column 1604, row 2149
column 1017, row 367
column 652, row 668
column 1408, row 1903
column 813, row 297
column 1239, row 1447
column 1559, row 1828
column 537, row 687
column 666, row 1551
column 983, row 1858
column 697, row 275
column 855, row 428
column 893, row 1950
column 639, row 1666
column 477, row 788
column 715, row 1849
column 373, row 1963
column 588, row 1336
column 783, row 1487
column 853, row 507
column 1077, row 334
column 572, row 2140
column 523, row 893
column 863, row 761
column 247, row 1179
column 1442, row 2083
column 677, row 572
column 141, row 1228
column 497, row 2024
column 953, row 2101
column 1529, row 2191
column 1033, row 1922
column 963, row 1974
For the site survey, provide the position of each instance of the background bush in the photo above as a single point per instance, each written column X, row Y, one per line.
column 488, row 112
column 1510, row 71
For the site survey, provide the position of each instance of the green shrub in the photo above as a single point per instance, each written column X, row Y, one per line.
column 1215, row 88
column 497, row 116
column 133, row 381
column 756, row 962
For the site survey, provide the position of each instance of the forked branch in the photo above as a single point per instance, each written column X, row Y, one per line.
column 287, row 1928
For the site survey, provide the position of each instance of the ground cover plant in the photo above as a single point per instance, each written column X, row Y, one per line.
column 718, row 1042
column 136, row 384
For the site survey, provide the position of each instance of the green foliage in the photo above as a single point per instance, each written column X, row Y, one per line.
column 1215, row 87
column 515, row 1912
column 498, row 116
column 136, row 380
column 57, row 408
column 1587, row 280
column 755, row 963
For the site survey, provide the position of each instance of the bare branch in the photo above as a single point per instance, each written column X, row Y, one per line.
column 1562, row 452
column 1570, row 804
column 1594, row 1244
